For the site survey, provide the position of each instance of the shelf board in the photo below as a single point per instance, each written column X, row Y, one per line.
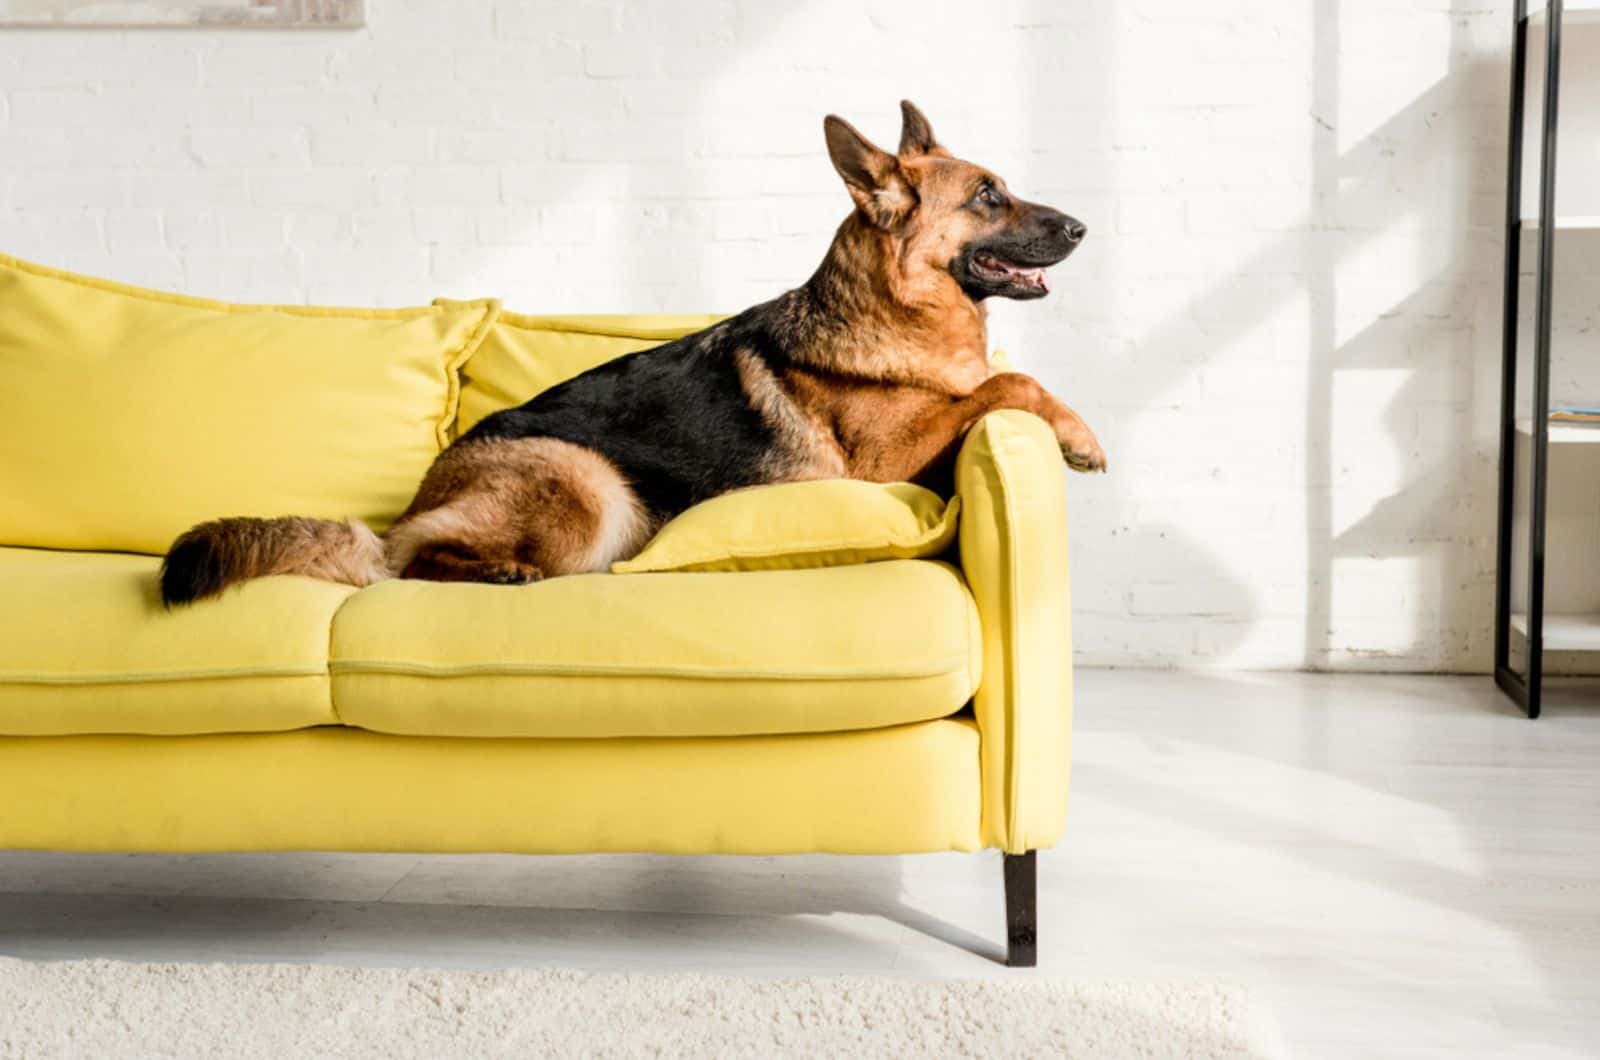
column 1564, row 632
column 1568, row 221
column 1577, row 11
column 1564, row 433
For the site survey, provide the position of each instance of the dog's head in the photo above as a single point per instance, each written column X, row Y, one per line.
column 948, row 218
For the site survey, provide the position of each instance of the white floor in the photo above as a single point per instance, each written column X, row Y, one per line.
column 1403, row 866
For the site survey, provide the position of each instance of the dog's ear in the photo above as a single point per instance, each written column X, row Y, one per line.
column 872, row 176
column 916, row 135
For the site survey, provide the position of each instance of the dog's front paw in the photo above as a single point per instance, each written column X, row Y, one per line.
column 1081, row 449
column 510, row 573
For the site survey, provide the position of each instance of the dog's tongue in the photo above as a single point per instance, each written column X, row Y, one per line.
column 1020, row 274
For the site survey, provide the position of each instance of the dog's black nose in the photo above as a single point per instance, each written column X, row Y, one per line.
column 1075, row 230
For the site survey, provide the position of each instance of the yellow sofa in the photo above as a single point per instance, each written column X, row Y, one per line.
column 909, row 705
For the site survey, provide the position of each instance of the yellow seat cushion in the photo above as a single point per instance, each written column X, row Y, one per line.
column 523, row 356
column 659, row 654
column 85, row 647
column 130, row 415
column 823, row 523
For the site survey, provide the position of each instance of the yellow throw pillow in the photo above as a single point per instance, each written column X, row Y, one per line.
column 523, row 356
column 823, row 523
column 129, row 415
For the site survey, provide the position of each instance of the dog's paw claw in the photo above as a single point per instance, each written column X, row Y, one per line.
column 512, row 574
column 1085, row 461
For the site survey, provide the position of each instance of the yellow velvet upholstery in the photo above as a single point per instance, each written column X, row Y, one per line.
column 1014, row 553
column 769, row 711
column 523, row 356
column 999, row 780
column 830, row 522
column 906, row 789
column 659, row 654
column 85, row 647
column 130, row 415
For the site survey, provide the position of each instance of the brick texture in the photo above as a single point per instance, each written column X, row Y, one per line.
column 1283, row 325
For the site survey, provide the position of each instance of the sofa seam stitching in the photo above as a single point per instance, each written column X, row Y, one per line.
column 359, row 667
column 157, row 676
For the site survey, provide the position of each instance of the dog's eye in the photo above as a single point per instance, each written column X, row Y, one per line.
column 990, row 195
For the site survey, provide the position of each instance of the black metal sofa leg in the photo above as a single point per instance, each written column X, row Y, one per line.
column 1022, row 910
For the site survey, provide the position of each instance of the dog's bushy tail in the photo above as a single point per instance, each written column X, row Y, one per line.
column 212, row 556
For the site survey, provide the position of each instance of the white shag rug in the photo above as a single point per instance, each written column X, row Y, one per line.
column 111, row 1009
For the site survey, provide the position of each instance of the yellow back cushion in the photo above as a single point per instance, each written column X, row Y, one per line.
column 129, row 415
column 522, row 356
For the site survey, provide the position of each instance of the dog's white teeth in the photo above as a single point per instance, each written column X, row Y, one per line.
column 1017, row 274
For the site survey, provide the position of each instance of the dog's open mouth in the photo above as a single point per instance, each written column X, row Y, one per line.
column 998, row 270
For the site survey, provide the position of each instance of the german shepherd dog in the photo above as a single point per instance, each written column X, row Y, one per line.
column 874, row 369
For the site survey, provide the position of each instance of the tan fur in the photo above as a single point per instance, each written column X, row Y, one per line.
column 805, row 447
column 245, row 548
column 896, row 367
column 516, row 510
column 899, row 320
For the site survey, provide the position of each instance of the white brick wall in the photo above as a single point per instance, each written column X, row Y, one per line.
column 1284, row 324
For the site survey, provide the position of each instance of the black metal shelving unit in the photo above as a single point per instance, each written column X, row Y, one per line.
column 1525, row 688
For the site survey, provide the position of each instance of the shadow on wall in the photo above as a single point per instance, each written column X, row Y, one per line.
column 1163, row 597
column 1423, row 550
column 1398, row 530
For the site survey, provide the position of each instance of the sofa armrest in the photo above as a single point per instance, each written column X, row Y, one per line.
column 1012, row 485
